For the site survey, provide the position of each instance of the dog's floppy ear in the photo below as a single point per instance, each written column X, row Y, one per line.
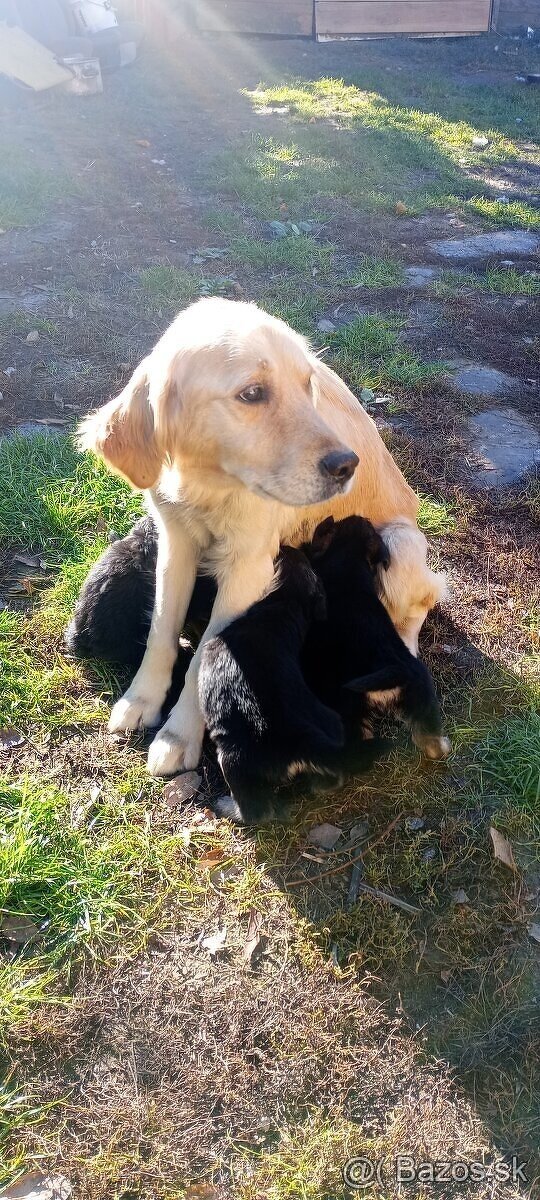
column 323, row 537
column 123, row 432
column 377, row 552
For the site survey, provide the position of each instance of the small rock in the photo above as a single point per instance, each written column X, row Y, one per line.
column 19, row 930
column 325, row 326
column 415, row 823
column 507, row 445
column 359, row 831
column 460, row 897
column 367, row 396
column 325, row 836
column 429, row 854
column 215, row 942
column 478, row 380
column 420, row 276
column 480, row 245
column 36, row 1186
column 480, row 143
column 533, row 931
column 11, row 739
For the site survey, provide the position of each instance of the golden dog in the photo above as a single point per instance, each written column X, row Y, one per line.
column 242, row 439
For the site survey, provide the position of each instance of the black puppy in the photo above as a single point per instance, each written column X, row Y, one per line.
column 357, row 649
column 265, row 723
column 112, row 615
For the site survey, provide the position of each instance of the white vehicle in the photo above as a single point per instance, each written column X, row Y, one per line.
column 92, row 16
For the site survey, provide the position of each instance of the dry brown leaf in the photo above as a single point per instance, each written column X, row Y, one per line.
column 181, row 789
column 324, row 836
column 401, row 208
column 502, row 848
column 142, row 142
column 446, row 975
column 253, row 938
column 212, row 858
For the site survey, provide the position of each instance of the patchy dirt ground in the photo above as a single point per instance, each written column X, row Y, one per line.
column 354, row 1028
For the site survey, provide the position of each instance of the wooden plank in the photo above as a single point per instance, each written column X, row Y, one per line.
column 341, row 17
column 26, row 60
column 285, row 18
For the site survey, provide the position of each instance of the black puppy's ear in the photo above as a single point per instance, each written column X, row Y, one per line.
column 377, row 552
column 323, row 537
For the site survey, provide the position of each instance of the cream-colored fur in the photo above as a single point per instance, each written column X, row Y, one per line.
column 227, row 481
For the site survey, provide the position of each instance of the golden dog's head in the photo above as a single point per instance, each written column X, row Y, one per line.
column 227, row 388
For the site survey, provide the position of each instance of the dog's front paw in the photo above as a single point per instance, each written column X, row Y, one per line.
column 226, row 806
column 170, row 753
column 133, row 712
column 434, row 747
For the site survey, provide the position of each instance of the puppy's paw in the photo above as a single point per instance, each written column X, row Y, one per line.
column 226, row 806
column 434, row 747
column 133, row 712
column 170, row 753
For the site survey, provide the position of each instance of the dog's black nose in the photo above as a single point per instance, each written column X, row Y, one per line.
column 339, row 464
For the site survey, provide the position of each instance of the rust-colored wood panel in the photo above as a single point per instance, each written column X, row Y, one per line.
column 342, row 17
column 288, row 18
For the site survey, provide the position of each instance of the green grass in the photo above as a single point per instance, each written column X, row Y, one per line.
column 510, row 759
column 435, row 517
column 80, row 884
column 54, row 500
column 299, row 254
column 28, row 192
column 368, row 353
column 375, row 272
column 168, row 285
column 387, row 151
column 298, row 310
column 506, row 281
column 22, row 323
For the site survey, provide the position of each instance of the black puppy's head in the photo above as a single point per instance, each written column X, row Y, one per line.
column 356, row 536
column 297, row 575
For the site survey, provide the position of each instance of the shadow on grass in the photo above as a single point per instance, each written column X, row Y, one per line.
column 463, row 969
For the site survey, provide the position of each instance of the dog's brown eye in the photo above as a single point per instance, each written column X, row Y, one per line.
column 252, row 395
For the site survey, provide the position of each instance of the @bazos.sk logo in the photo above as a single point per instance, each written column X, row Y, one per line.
column 359, row 1172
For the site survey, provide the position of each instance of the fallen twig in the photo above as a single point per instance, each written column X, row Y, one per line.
column 371, row 891
column 350, row 861
column 352, row 894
